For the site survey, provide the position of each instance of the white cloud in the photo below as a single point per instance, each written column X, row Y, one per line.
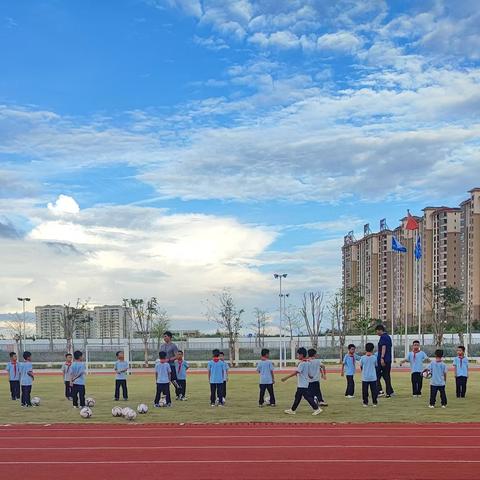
column 339, row 42
column 64, row 206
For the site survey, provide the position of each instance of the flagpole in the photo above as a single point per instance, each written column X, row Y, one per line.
column 392, row 271
column 406, row 303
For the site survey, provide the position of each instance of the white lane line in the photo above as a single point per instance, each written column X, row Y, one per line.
column 156, row 437
column 233, row 447
column 210, row 462
column 296, row 427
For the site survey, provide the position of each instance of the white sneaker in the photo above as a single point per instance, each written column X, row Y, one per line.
column 444, row 406
column 431, row 406
column 350, row 396
column 365, row 405
column 318, row 411
column 374, row 405
column 323, row 404
column 289, row 411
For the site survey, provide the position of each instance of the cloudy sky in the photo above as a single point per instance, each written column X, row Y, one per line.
column 174, row 147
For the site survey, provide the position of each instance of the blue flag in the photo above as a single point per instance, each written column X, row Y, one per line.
column 397, row 246
column 418, row 249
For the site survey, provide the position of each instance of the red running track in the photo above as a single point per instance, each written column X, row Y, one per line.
column 241, row 451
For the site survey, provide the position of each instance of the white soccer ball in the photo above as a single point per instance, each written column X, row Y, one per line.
column 86, row 412
column 36, row 401
column 117, row 411
column 142, row 408
column 125, row 411
column 131, row 414
column 90, row 402
column 162, row 402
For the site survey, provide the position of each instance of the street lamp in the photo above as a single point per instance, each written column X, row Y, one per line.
column 23, row 300
column 279, row 276
column 284, row 296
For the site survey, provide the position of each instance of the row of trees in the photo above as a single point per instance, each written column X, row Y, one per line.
column 149, row 321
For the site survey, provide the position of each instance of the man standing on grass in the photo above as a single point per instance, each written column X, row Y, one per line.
column 384, row 360
column 171, row 351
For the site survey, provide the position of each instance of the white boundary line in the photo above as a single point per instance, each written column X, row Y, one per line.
column 210, row 462
column 234, row 447
column 155, row 437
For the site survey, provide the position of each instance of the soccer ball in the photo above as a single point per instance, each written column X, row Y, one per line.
column 90, row 402
column 162, row 402
column 117, row 412
column 36, row 401
column 86, row 412
column 142, row 408
column 427, row 373
column 125, row 411
column 131, row 414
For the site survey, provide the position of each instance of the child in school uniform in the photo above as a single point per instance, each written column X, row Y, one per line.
column 267, row 379
column 66, row 367
column 13, row 371
column 368, row 365
column 216, row 378
column 226, row 367
column 349, row 367
column 77, row 379
column 301, row 372
column 438, row 380
column 163, row 377
column 416, row 359
column 121, row 372
column 26, row 379
column 181, row 367
column 460, row 368
column 316, row 370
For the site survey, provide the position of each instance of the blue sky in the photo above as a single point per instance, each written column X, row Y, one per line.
column 173, row 147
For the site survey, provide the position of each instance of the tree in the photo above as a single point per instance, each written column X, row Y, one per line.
column 293, row 321
column 142, row 314
column 160, row 325
column 336, row 310
column 312, row 311
column 363, row 324
column 260, row 324
column 454, row 307
column 222, row 311
column 431, row 295
column 70, row 320
column 352, row 299
column 15, row 327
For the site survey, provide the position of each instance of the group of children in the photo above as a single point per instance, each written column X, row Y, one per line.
column 436, row 371
column 308, row 372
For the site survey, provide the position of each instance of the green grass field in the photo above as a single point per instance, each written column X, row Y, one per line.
column 241, row 402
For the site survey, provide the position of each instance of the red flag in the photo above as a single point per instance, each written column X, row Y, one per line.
column 411, row 224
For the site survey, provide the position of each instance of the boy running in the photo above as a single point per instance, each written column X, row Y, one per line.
column 316, row 370
column 301, row 372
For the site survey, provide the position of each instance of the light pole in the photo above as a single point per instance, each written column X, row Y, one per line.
column 284, row 296
column 280, row 276
column 23, row 300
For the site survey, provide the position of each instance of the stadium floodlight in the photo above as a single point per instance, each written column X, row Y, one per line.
column 279, row 276
column 24, row 335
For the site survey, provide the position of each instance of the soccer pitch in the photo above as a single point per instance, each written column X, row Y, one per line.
column 242, row 402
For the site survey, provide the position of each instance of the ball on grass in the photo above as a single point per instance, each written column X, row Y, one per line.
column 86, row 412
column 117, row 412
column 36, row 401
column 142, row 408
column 131, row 414
column 90, row 402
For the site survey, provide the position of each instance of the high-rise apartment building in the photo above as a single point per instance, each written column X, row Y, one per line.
column 49, row 321
column 470, row 254
column 111, row 321
column 398, row 287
